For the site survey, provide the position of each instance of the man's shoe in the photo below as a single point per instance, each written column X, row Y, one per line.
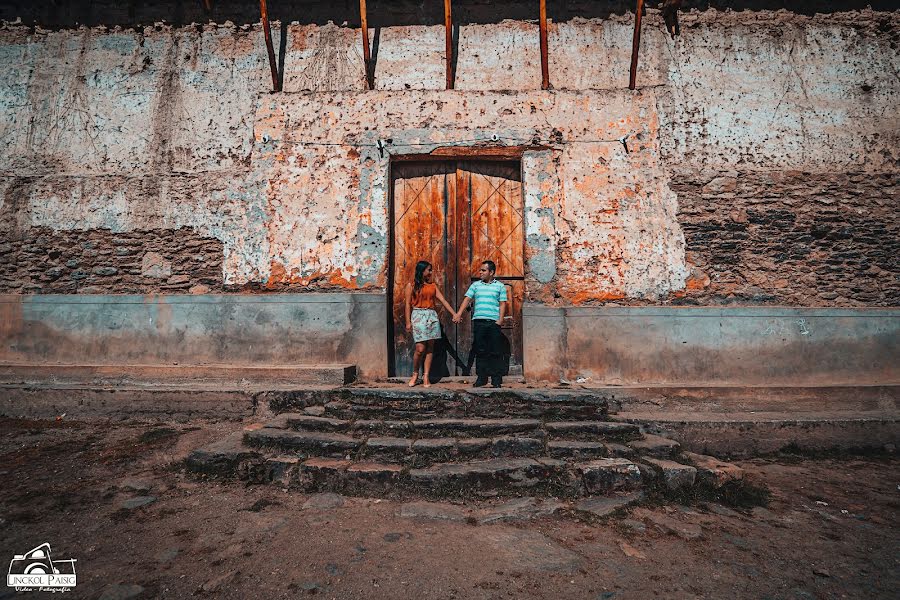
column 496, row 382
column 479, row 382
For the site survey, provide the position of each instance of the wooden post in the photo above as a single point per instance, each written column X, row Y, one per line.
column 448, row 29
column 268, row 33
column 367, row 57
column 545, row 67
column 635, row 43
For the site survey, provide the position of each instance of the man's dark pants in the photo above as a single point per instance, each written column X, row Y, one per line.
column 488, row 345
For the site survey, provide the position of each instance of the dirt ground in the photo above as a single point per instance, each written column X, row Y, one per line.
column 830, row 531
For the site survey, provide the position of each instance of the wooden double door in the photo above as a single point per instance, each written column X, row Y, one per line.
column 455, row 215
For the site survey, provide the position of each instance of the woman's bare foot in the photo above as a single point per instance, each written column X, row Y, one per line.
column 413, row 380
column 425, row 382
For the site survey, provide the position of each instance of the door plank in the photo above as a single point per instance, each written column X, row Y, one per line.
column 496, row 232
column 420, row 233
column 456, row 215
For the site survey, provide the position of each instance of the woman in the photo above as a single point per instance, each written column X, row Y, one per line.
column 422, row 320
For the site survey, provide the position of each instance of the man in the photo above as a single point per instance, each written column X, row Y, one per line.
column 489, row 298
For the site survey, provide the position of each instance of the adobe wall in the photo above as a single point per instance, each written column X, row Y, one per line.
column 762, row 168
column 762, row 152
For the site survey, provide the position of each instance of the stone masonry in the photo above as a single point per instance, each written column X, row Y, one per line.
column 759, row 163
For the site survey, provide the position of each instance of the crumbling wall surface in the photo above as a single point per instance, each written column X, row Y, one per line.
column 794, row 238
column 116, row 146
column 614, row 231
column 760, row 167
column 584, row 55
column 782, row 134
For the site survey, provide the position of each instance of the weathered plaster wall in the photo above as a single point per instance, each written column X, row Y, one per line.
column 702, row 346
column 219, row 329
column 162, row 130
column 611, row 221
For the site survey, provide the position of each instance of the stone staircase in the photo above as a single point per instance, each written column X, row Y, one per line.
column 450, row 444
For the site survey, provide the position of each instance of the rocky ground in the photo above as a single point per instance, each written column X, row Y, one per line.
column 114, row 497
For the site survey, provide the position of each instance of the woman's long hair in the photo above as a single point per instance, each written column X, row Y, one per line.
column 420, row 277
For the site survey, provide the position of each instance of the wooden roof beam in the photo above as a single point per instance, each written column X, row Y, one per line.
column 635, row 43
column 267, row 31
column 545, row 65
column 448, row 42
column 367, row 52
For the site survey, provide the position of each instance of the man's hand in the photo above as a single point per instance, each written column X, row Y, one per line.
column 409, row 326
column 457, row 317
column 499, row 322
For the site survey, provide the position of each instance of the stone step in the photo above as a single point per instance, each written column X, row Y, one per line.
column 655, row 446
column 421, row 442
column 495, row 477
column 591, row 430
column 313, row 443
column 397, row 403
column 328, row 461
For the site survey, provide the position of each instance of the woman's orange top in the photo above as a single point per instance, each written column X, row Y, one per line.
column 425, row 297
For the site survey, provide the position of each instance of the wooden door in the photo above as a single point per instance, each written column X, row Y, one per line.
column 456, row 215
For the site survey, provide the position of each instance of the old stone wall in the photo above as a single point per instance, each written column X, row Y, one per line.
column 793, row 238
column 762, row 151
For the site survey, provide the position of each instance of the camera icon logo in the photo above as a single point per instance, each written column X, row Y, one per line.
column 36, row 570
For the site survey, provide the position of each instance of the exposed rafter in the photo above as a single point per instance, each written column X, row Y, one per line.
column 635, row 43
column 273, row 66
column 367, row 53
column 448, row 35
column 545, row 65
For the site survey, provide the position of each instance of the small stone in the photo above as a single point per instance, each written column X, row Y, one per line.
column 55, row 273
column 633, row 525
column 606, row 474
column 433, row 510
column 675, row 475
column 714, row 472
column 104, row 271
column 137, row 502
column 324, row 500
column 155, row 265
column 631, row 551
column 655, row 446
column 519, row 509
column 316, row 411
column 79, row 274
column 121, row 591
column 721, row 185
column 199, row 289
column 686, row 531
column 821, row 572
column 602, row 506
column 135, row 485
column 178, row 279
